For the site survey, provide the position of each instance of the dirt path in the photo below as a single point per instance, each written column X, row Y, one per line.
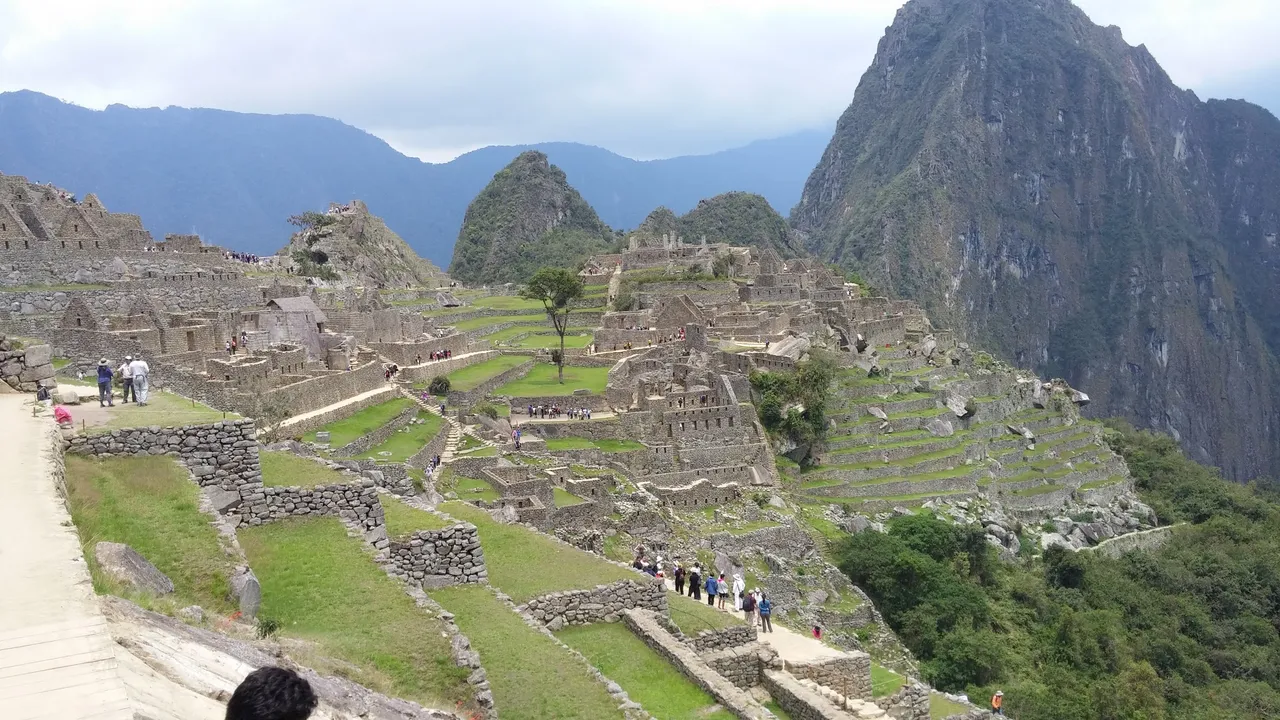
column 57, row 659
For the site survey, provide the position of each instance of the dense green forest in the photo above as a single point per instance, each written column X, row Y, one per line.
column 1191, row 631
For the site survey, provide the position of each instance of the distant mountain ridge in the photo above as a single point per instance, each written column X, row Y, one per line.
column 235, row 177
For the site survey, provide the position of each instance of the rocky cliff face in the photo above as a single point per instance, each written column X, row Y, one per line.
column 740, row 218
column 526, row 218
column 351, row 243
column 1043, row 186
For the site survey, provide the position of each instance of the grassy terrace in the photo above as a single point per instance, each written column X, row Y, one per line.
column 403, row 519
column 647, row 677
column 531, row 676
column 467, row 488
column 151, row 505
column 473, row 376
column 543, row 380
column 281, row 469
column 694, row 616
column 362, row 423
column 322, row 587
column 507, row 302
column 581, row 443
column 404, row 443
column 551, row 340
column 525, row 564
column 564, row 498
column 491, row 320
column 163, row 408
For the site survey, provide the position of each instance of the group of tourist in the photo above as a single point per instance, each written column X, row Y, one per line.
column 233, row 345
column 242, row 257
column 435, row 355
column 135, row 376
column 755, row 605
column 390, row 371
column 555, row 411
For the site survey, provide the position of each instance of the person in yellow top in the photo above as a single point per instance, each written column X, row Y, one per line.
column 997, row 702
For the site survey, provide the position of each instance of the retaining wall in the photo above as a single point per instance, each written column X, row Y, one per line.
column 465, row 398
column 438, row 558
column 379, row 435
column 849, row 675
column 798, row 701
column 302, row 427
column 603, row 603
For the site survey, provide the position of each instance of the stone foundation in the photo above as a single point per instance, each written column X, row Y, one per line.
column 437, row 558
column 849, row 675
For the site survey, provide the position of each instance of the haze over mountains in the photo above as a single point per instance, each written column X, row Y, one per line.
column 235, row 177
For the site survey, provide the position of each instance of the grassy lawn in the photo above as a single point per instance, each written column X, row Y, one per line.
column 525, row 564
column 564, row 498
column 532, row 677
column 474, row 489
column 321, row 586
column 694, row 616
column 480, row 322
column 542, row 381
column 404, row 443
column 647, row 677
column 152, row 506
column 280, row 469
column 469, row 442
column 362, row 423
column 940, row 707
column 402, row 519
column 472, row 376
column 773, row 707
column 581, row 443
column 551, row 340
column 507, row 302
column 884, row 681
column 164, row 409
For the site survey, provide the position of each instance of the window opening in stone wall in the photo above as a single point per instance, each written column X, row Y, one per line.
column 730, row 421
column 79, row 322
column 81, row 244
column 717, row 423
column 64, row 244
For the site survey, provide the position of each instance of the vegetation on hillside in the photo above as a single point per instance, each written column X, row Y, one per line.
column 739, row 218
column 1189, row 632
column 792, row 405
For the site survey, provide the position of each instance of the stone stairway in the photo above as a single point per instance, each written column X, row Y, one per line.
column 854, row 706
column 456, row 430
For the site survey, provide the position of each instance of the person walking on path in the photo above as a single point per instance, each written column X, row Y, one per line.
column 126, row 375
column 695, row 583
column 749, row 609
column 766, row 609
column 104, row 384
column 997, row 703
column 141, row 378
column 722, row 590
column 228, row 347
column 711, row 590
column 679, row 578
column 739, row 587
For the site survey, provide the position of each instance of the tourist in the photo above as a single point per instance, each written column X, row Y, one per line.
column 679, row 577
column 141, row 379
column 817, row 632
column 42, row 394
column 711, row 589
column 126, row 376
column 228, row 348
column 272, row 693
column 234, row 347
column 748, row 603
column 104, row 384
column 739, row 587
column 62, row 416
column 695, row 583
column 997, row 703
column 244, row 339
column 765, row 609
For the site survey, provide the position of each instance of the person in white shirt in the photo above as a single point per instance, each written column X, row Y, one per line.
column 140, row 380
column 126, row 374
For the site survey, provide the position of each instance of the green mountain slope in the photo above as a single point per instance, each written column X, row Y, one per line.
column 739, row 218
column 527, row 217
column 1041, row 185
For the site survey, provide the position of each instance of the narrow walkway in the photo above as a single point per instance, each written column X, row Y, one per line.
column 429, row 363
column 388, row 389
column 789, row 644
column 57, row 659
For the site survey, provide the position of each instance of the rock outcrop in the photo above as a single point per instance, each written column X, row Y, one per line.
column 1043, row 187
column 124, row 564
column 357, row 246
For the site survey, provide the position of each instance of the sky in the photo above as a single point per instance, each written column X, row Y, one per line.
column 644, row 78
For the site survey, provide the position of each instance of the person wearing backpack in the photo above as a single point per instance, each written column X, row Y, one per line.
column 766, row 609
column 749, row 608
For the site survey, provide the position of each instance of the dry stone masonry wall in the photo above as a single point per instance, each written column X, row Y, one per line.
column 604, row 603
column 24, row 369
column 437, row 558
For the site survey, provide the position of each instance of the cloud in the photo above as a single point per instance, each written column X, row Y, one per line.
column 647, row 79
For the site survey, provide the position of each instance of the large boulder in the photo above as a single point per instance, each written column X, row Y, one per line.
column 123, row 563
column 939, row 427
column 39, row 355
column 65, row 395
column 878, row 412
column 246, row 591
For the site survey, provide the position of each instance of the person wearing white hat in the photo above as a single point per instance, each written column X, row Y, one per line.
column 997, row 703
column 126, row 375
column 104, row 384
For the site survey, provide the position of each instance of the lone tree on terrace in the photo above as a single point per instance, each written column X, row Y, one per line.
column 556, row 288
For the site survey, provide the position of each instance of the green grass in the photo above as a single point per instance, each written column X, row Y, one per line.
column 321, row 586
column 884, row 681
column 152, row 506
column 940, row 707
column 59, row 363
column 473, row 376
column 406, row 442
column 164, row 409
column 487, row 321
column 403, row 519
column 1106, row 482
column 474, row 489
column 542, row 381
column 280, row 469
column 362, row 423
column 646, row 676
column 694, row 616
column 531, row 676
column 525, row 564
column 507, row 302
column 773, row 707
column 469, row 442
column 564, row 498
column 482, row 452
column 581, row 443
column 551, row 340
column 1038, row 490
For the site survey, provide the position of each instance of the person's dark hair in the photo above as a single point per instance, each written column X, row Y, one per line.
column 272, row 693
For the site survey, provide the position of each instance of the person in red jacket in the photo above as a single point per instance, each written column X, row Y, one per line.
column 997, row 703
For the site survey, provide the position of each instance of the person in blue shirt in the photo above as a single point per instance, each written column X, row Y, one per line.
column 104, row 384
column 711, row 589
column 766, row 609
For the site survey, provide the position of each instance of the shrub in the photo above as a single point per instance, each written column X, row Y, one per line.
column 439, row 386
column 267, row 627
column 488, row 410
column 760, row 498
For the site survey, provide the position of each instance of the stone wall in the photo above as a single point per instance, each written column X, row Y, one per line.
column 405, row 353
column 603, row 603
column 422, row 458
column 909, row 703
column 304, row 426
column 378, row 435
column 849, row 675
column 743, row 665
column 737, row 701
column 437, row 558
column 798, row 701
column 431, row 368
column 26, row 369
column 731, row 637
column 190, row 295
column 1146, row 540
column 699, row 493
column 785, row 541
column 597, row 403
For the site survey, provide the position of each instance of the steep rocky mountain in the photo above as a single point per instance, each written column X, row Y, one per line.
column 527, row 217
column 740, row 218
column 1043, row 186
column 356, row 245
column 235, row 177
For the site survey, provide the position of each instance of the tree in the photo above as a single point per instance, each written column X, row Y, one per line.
column 556, row 288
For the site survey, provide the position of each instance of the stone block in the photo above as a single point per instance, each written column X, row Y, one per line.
column 125, row 564
column 246, row 591
column 38, row 355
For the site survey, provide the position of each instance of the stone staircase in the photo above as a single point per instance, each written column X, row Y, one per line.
column 864, row 709
column 456, row 430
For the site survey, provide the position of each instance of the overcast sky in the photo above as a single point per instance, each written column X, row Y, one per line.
column 645, row 78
